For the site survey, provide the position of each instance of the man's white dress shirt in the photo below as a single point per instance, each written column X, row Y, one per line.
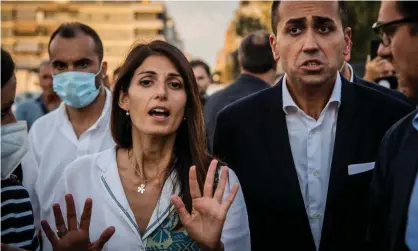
column 53, row 145
column 350, row 68
column 312, row 145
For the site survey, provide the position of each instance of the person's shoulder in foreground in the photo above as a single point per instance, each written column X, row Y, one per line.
column 17, row 228
column 386, row 104
column 394, row 161
column 26, row 106
column 382, row 89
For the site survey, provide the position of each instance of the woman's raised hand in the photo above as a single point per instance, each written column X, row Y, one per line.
column 204, row 224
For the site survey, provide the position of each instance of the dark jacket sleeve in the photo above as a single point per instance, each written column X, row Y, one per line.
column 389, row 92
column 209, row 115
column 221, row 139
column 379, row 203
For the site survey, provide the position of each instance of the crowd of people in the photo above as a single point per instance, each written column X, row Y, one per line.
column 316, row 158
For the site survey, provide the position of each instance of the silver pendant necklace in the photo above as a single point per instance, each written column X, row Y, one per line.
column 141, row 188
column 142, row 185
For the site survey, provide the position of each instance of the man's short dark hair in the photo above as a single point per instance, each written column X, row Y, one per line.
column 255, row 54
column 7, row 67
column 71, row 30
column 196, row 63
column 275, row 15
column 409, row 9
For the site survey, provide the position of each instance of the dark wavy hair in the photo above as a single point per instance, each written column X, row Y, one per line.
column 7, row 67
column 190, row 143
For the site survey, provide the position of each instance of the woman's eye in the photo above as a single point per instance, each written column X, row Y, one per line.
column 175, row 85
column 145, row 82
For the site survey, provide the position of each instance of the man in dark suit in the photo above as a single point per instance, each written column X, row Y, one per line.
column 394, row 193
column 304, row 150
column 258, row 72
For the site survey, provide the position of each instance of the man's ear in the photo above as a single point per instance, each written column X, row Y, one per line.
column 348, row 44
column 273, row 44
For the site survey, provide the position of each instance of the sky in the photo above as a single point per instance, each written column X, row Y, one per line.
column 202, row 26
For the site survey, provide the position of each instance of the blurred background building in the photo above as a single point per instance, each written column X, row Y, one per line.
column 250, row 16
column 26, row 27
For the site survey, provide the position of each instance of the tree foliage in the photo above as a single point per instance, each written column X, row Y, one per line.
column 361, row 16
column 247, row 25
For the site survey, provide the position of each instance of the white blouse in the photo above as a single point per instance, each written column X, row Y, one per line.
column 96, row 176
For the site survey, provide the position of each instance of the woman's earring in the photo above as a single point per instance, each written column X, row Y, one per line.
column 184, row 118
column 127, row 113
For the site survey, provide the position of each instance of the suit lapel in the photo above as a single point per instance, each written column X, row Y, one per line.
column 276, row 137
column 403, row 182
column 346, row 137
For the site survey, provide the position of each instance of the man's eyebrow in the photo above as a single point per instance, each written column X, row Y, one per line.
column 321, row 20
column 83, row 60
column 57, row 62
column 300, row 20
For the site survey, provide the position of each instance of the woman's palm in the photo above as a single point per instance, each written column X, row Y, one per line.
column 204, row 224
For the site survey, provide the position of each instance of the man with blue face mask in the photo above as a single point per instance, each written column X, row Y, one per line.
column 80, row 125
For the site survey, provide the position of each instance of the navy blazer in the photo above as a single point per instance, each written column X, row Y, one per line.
column 243, row 86
column 252, row 138
column 392, row 184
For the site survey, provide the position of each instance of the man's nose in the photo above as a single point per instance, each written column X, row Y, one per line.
column 384, row 52
column 310, row 43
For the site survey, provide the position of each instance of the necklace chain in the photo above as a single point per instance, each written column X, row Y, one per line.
column 142, row 186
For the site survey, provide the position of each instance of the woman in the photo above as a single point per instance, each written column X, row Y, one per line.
column 145, row 187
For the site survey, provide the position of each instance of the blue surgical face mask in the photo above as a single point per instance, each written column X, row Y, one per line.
column 76, row 89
